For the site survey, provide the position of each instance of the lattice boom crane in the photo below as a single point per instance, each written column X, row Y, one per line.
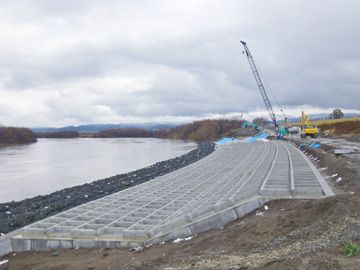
column 260, row 84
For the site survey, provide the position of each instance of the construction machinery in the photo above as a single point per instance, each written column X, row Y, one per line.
column 260, row 85
column 252, row 124
column 307, row 129
column 288, row 130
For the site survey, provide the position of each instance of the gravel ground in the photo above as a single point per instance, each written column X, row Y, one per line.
column 14, row 215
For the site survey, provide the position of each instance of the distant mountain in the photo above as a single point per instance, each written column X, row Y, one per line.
column 98, row 127
column 2, row 125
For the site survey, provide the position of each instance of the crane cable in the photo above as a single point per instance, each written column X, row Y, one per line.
column 268, row 87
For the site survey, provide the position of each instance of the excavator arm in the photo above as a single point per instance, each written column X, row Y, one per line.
column 308, row 130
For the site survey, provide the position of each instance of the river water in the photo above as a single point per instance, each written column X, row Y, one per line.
column 53, row 164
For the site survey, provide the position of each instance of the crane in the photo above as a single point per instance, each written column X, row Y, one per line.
column 260, row 85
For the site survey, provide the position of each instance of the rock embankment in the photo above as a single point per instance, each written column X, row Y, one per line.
column 14, row 215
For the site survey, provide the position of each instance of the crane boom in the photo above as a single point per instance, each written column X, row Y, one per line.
column 260, row 84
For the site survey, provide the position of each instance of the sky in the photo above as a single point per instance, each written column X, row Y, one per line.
column 68, row 62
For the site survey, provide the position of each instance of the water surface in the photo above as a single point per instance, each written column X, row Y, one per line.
column 53, row 164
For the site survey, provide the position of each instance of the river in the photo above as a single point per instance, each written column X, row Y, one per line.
column 53, row 164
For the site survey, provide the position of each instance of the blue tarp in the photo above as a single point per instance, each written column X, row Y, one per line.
column 315, row 145
column 258, row 136
column 225, row 140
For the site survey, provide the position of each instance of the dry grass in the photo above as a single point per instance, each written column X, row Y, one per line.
column 337, row 126
column 329, row 121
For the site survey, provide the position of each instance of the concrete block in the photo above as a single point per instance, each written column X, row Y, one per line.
column 220, row 206
column 308, row 190
column 84, row 243
column 262, row 201
column 246, row 208
column 154, row 231
column 5, row 247
column 244, row 194
column 213, row 221
column 174, row 224
column 202, row 212
column 274, row 192
column 83, row 233
column 50, row 244
column 110, row 230
column 180, row 233
column 135, row 234
column 59, row 230
column 106, row 244
column 20, row 244
column 28, row 231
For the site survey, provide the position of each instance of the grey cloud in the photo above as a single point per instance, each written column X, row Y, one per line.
column 187, row 53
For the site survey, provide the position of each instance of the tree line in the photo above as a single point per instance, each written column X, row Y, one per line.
column 203, row 130
column 59, row 134
column 14, row 135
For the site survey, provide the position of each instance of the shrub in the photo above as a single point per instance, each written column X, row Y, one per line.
column 351, row 249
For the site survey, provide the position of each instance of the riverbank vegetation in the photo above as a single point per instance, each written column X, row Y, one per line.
column 59, row 134
column 204, row 130
column 13, row 135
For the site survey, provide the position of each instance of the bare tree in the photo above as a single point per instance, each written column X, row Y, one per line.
column 260, row 121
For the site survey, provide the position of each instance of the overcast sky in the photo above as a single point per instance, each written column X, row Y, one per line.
column 79, row 62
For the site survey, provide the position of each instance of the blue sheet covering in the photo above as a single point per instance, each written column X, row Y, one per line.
column 315, row 145
column 260, row 135
column 225, row 140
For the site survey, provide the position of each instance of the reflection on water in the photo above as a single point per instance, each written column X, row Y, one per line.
column 53, row 164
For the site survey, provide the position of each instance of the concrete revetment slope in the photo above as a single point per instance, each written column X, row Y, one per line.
column 237, row 178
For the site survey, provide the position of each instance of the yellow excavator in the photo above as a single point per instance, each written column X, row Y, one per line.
column 308, row 130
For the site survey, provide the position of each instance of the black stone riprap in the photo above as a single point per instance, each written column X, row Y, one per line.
column 14, row 215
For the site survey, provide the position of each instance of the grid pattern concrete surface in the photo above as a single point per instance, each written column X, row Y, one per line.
column 236, row 173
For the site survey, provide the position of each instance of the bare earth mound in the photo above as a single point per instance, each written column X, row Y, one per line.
column 290, row 234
